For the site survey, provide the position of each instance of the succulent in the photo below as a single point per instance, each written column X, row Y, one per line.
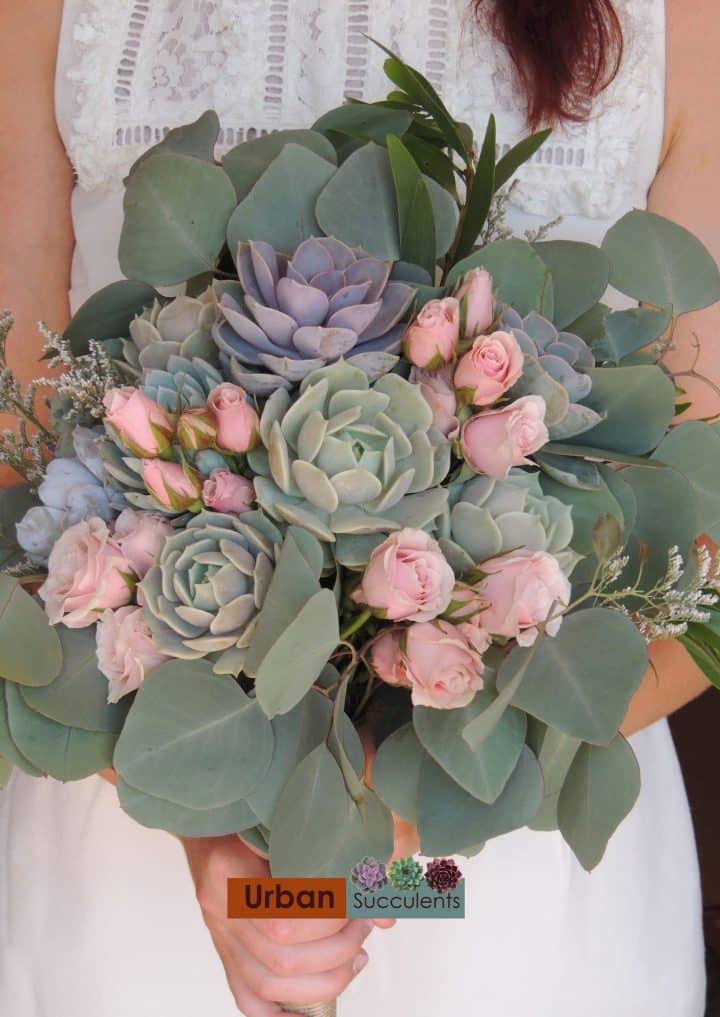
column 555, row 365
column 179, row 328
column 405, row 874
column 182, row 384
column 202, row 597
column 443, row 875
column 350, row 458
column 487, row 518
column 369, row 874
column 296, row 315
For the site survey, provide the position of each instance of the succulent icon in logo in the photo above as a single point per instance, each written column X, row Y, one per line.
column 442, row 875
column 405, row 874
column 369, row 874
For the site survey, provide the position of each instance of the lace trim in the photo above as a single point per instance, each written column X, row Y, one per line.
column 178, row 57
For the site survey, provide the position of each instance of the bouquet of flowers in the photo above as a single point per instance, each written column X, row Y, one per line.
column 339, row 451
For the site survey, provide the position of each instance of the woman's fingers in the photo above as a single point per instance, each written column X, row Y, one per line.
column 311, row 957
column 290, row 931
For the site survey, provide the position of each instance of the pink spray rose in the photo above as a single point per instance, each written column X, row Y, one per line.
column 444, row 663
column 237, row 421
column 495, row 441
column 140, row 535
column 126, row 652
column 387, row 658
column 224, row 491
column 407, row 578
column 492, row 366
column 431, row 340
column 437, row 391
column 196, row 429
column 174, row 487
column 87, row 573
column 475, row 294
column 143, row 426
column 522, row 588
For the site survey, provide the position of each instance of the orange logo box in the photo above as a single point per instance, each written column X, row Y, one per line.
column 286, row 898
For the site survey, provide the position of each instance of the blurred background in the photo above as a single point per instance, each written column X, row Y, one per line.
column 695, row 729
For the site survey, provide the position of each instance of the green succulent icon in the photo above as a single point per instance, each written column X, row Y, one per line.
column 405, row 874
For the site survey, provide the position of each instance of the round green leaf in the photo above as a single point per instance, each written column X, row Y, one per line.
column 450, row 820
column 364, row 120
column 601, row 788
column 176, row 212
column 107, row 313
column 65, row 753
column 658, row 262
column 280, row 209
column 197, row 139
column 693, row 449
column 581, row 680
column 8, row 748
column 78, row 696
column 193, row 738
column 483, row 771
column 396, row 771
column 30, row 649
column 246, row 163
column 587, row 507
column 159, row 814
column 520, row 276
column 580, row 274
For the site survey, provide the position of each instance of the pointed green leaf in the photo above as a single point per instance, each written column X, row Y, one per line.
column 480, row 197
column 414, row 207
column 518, row 155
column 247, row 162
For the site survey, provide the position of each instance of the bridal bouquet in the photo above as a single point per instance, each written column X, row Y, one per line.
column 340, row 452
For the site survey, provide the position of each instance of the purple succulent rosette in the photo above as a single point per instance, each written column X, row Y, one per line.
column 291, row 316
column 369, row 874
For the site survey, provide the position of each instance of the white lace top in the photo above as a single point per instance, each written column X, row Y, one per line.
column 130, row 69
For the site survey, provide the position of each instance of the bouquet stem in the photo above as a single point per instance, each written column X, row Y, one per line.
column 328, row 1009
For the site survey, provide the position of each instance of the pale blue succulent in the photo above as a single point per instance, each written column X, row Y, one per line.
column 181, row 328
column 182, row 384
column 293, row 316
column 348, row 459
column 486, row 518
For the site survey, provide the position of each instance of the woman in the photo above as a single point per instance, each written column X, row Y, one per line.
column 97, row 915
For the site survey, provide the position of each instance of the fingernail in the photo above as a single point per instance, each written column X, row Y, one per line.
column 360, row 962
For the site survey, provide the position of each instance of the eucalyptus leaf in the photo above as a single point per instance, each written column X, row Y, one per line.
column 628, row 331
column 368, row 121
column 396, row 771
column 555, row 756
column 450, row 820
column 693, row 448
column 581, row 680
column 158, row 814
column 520, row 276
column 30, row 649
column 293, row 663
column 591, row 325
column 65, row 753
column 8, row 748
column 247, row 162
column 482, row 771
column 280, row 208
column 193, row 738
column 658, row 262
column 587, row 507
column 570, row 472
column 107, row 314
column 197, row 139
column 78, row 696
column 176, row 212
column 580, row 274
column 601, row 788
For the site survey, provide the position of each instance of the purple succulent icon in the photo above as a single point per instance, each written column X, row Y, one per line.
column 369, row 874
column 291, row 316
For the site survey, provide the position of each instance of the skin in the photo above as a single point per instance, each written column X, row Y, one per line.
column 307, row 960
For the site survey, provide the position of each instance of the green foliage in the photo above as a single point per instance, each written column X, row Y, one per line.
column 196, row 139
column 627, row 332
column 15, row 501
column 480, row 196
column 364, row 121
column 8, row 749
column 580, row 274
column 520, row 276
column 30, row 649
column 107, row 314
column 246, row 163
column 396, row 771
column 581, row 680
column 5, row 771
column 159, row 814
column 693, row 449
column 601, row 787
column 414, row 207
column 176, row 212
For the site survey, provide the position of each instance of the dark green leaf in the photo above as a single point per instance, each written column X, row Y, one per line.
column 520, row 277
column 414, row 207
column 627, row 332
column 197, row 139
column 30, row 649
column 246, row 163
column 481, row 193
column 519, row 154
column 158, row 814
column 369, row 121
column 580, row 274
column 8, row 748
column 693, row 449
column 107, row 313
column 396, row 771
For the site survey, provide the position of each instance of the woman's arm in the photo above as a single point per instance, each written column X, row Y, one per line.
column 687, row 190
column 36, row 179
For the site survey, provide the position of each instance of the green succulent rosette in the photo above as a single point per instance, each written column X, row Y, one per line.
column 349, row 458
column 203, row 596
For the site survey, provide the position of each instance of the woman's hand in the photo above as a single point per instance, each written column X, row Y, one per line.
column 272, row 960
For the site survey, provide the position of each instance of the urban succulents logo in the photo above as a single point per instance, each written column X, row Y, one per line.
column 405, row 889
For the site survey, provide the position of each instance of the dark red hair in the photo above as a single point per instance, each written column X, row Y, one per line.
column 564, row 51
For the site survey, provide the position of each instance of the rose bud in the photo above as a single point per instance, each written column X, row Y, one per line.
column 173, row 486
column 387, row 659
column 477, row 303
column 407, row 578
column 236, row 419
column 490, row 367
column 431, row 340
column 438, row 393
column 224, row 491
column 140, row 424
column 196, row 430
column 523, row 588
column 495, row 441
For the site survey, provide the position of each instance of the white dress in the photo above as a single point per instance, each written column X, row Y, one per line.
column 97, row 914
